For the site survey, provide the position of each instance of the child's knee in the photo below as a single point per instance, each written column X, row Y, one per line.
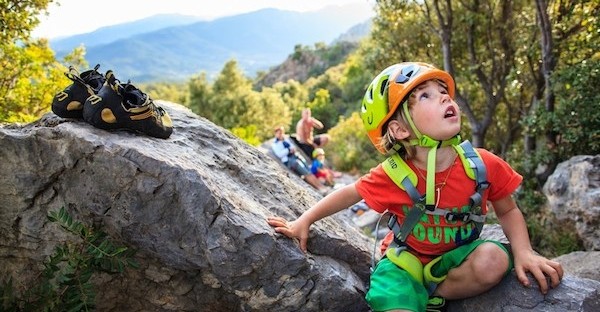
column 490, row 263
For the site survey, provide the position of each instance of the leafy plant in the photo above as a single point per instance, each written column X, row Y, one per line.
column 65, row 283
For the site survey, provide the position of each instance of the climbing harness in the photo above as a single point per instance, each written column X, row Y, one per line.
column 405, row 178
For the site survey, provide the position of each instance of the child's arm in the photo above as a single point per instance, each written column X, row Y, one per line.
column 526, row 260
column 332, row 203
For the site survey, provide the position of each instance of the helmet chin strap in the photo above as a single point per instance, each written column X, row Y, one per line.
column 426, row 141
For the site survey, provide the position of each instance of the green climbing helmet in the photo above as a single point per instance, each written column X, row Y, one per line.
column 317, row 152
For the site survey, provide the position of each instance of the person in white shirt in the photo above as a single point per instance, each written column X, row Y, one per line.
column 286, row 152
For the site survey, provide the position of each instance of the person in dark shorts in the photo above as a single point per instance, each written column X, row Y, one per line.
column 304, row 133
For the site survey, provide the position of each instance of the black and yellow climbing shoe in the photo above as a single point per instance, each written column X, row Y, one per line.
column 69, row 102
column 124, row 107
column 436, row 304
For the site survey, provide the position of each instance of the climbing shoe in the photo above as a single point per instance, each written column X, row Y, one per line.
column 436, row 304
column 120, row 106
column 69, row 102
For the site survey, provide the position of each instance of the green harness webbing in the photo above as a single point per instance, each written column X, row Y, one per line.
column 405, row 178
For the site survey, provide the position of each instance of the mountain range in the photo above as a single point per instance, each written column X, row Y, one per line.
column 175, row 47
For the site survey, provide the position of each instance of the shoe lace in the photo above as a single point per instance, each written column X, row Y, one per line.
column 133, row 96
column 91, row 79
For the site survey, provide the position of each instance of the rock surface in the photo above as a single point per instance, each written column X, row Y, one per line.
column 585, row 264
column 194, row 206
column 573, row 193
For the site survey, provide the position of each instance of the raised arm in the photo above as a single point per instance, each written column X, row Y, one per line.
column 316, row 123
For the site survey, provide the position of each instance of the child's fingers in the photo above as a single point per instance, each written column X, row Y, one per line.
column 558, row 267
column 303, row 241
column 522, row 277
column 539, row 275
column 554, row 271
column 284, row 227
column 276, row 221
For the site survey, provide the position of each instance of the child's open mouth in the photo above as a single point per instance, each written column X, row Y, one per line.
column 450, row 112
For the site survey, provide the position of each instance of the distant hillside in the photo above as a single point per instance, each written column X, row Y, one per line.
column 257, row 40
column 356, row 33
column 112, row 33
column 307, row 62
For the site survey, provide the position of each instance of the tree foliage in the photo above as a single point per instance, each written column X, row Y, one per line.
column 230, row 102
column 350, row 149
column 29, row 73
column 577, row 117
column 19, row 17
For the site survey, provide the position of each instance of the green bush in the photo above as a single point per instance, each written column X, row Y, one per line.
column 350, row 149
column 64, row 284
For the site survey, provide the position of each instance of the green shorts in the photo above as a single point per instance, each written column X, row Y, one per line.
column 393, row 288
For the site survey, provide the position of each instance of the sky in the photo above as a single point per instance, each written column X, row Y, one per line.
column 71, row 17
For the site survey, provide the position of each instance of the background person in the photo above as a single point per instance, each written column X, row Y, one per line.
column 304, row 133
column 285, row 151
column 319, row 169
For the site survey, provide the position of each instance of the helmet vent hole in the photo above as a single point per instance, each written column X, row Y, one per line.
column 384, row 85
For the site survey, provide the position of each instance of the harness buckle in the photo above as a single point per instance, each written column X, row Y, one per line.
column 454, row 216
column 483, row 185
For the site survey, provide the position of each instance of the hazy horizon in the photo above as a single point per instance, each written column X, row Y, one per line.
column 63, row 20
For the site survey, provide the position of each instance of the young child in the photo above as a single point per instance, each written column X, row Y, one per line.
column 319, row 169
column 409, row 110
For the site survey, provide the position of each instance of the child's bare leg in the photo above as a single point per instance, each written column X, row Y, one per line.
column 484, row 268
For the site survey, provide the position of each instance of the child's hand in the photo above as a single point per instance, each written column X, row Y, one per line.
column 293, row 229
column 541, row 268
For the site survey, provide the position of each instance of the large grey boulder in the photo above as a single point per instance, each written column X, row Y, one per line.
column 573, row 193
column 585, row 264
column 573, row 294
column 194, row 206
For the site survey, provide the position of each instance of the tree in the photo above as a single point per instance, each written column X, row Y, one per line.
column 29, row 73
column 350, row 149
column 488, row 28
column 398, row 34
column 200, row 96
column 559, row 23
column 19, row 17
column 231, row 103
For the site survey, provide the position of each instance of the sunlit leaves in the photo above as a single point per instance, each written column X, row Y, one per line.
column 29, row 73
column 19, row 17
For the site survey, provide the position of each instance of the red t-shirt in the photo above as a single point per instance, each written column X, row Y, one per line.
column 434, row 235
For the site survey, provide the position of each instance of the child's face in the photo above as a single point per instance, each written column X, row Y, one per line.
column 434, row 113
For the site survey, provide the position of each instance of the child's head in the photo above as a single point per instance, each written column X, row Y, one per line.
column 387, row 102
column 318, row 153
